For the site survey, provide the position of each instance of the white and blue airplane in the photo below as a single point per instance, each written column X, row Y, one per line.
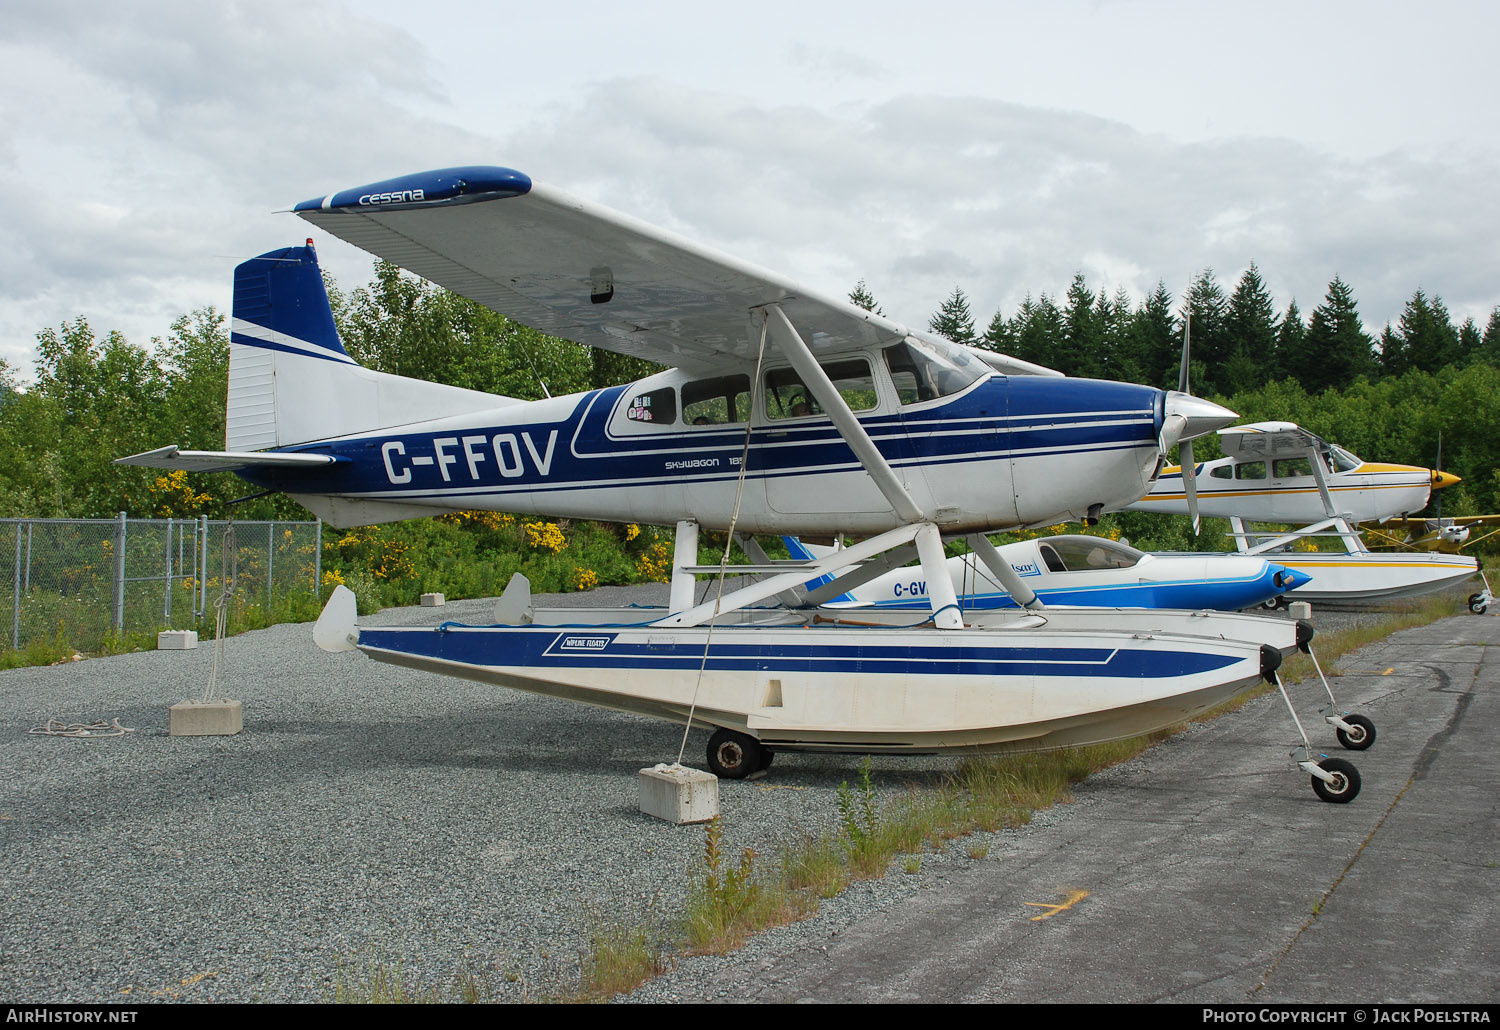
column 1281, row 473
column 785, row 412
column 1083, row 570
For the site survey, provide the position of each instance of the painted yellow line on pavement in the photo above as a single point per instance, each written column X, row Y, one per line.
column 1074, row 897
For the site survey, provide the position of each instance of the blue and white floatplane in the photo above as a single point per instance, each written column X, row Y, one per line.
column 785, row 412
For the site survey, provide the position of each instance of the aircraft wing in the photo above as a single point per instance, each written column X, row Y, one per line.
column 170, row 457
column 574, row 269
column 1264, row 439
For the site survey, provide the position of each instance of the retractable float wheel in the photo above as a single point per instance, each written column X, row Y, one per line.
column 1345, row 785
column 733, row 756
column 1478, row 603
column 1359, row 736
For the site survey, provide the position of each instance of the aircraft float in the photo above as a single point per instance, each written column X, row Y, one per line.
column 1278, row 472
column 1084, row 570
column 786, row 412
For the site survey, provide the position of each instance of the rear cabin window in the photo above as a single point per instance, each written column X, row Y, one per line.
column 658, row 407
column 1250, row 470
column 1285, row 468
column 1222, row 472
column 716, row 402
column 787, row 396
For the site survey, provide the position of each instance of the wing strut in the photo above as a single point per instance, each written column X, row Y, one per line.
column 945, row 610
column 993, row 560
column 854, row 434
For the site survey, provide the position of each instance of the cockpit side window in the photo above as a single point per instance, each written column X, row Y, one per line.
column 787, row 396
column 716, row 402
column 1285, row 468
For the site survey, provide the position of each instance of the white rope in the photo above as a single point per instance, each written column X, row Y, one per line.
column 230, row 568
column 734, row 518
column 57, row 728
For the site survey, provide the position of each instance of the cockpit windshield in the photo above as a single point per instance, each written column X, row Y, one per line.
column 924, row 370
column 1084, row 553
column 1342, row 460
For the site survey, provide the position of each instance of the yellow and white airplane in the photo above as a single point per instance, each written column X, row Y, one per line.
column 1280, row 473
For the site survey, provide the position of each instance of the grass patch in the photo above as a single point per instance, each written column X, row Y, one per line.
column 620, row 958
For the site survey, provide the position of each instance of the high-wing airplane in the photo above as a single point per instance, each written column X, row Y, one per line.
column 1278, row 472
column 787, row 412
column 1083, row 570
column 1451, row 534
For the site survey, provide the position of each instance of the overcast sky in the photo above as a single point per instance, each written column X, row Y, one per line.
column 145, row 148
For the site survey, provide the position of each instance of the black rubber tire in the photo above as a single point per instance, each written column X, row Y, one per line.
column 1477, row 604
column 733, row 756
column 767, row 756
column 1344, row 789
column 1363, row 735
column 1273, row 604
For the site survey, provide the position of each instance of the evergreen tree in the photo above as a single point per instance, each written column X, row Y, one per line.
column 1489, row 348
column 1205, row 302
column 1291, row 343
column 954, row 320
column 1338, row 350
column 861, row 297
column 1250, row 334
column 1469, row 341
column 1083, row 335
column 1153, row 341
column 998, row 336
column 1038, row 332
column 1428, row 339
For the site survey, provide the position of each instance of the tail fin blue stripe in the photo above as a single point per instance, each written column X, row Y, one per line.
column 280, row 304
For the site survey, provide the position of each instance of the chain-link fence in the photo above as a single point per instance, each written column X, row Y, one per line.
column 77, row 581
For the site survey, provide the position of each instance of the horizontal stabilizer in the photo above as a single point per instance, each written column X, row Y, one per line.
column 170, row 457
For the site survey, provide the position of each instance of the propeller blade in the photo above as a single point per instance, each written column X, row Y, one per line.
column 1435, row 474
column 1190, row 483
column 1187, row 335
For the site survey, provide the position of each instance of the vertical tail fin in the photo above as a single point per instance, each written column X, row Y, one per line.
column 290, row 379
column 280, row 307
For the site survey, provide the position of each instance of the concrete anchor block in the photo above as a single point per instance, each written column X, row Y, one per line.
column 177, row 640
column 679, row 795
column 222, row 718
column 1299, row 609
column 433, row 600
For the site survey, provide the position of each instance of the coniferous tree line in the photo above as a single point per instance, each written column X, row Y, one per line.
column 1239, row 340
column 92, row 399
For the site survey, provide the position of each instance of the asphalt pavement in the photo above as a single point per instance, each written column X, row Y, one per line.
column 1206, row 871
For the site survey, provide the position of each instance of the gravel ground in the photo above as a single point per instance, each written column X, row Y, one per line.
column 369, row 818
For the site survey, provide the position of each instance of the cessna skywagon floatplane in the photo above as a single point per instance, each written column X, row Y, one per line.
column 1278, row 472
column 787, row 412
